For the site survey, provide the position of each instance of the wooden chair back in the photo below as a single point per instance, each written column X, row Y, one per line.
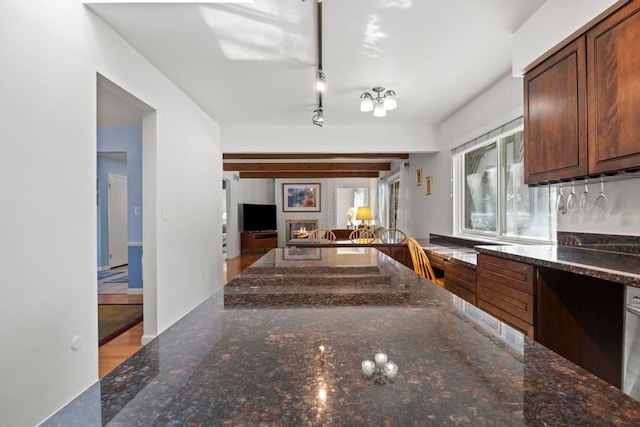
column 321, row 235
column 421, row 264
column 363, row 236
column 393, row 235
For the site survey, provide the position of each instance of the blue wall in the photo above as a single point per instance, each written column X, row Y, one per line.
column 129, row 140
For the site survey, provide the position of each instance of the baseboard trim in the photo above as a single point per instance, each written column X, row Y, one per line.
column 146, row 339
column 135, row 291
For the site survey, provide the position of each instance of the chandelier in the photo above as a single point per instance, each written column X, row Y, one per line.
column 378, row 103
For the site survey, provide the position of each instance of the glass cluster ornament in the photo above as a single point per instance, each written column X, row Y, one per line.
column 380, row 369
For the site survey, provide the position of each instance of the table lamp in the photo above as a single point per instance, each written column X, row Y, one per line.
column 363, row 214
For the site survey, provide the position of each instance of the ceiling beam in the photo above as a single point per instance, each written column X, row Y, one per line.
column 311, row 174
column 298, row 156
column 306, row 166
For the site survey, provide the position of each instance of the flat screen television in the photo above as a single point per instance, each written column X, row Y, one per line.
column 258, row 217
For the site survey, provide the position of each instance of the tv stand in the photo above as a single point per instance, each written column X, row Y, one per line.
column 255, row 241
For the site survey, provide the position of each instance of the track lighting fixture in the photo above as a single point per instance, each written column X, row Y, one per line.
column 318, row 118
column 379, row 104
column 321, row 80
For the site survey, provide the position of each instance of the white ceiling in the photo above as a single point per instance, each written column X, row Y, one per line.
column 254, row 64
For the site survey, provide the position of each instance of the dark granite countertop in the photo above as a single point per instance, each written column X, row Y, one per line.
column 593, row 260
column 450, row 251
column 244, row 357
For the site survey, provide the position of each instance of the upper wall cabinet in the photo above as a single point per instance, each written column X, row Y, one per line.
column 613, row 71
column 582, row 104
column 555, row 116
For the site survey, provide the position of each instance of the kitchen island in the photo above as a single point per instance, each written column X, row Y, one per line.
column 282, row 344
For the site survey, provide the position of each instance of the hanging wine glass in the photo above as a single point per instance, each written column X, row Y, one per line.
column 572, row 201
column 585, row 199
column 561, row 202
column 600, row 204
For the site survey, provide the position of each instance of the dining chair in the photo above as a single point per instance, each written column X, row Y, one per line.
column 421, row 264
column 321, row 235
column 393, row 235
column 363, row 236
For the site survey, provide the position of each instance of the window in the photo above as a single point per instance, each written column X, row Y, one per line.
column 394, row 196
column 490, row 197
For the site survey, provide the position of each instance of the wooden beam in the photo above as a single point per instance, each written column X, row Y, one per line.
column 292, row 166
column 311, row 174
column 314, row 156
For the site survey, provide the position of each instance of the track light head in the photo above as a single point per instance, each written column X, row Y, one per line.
column 318, row 118
column 321, row 80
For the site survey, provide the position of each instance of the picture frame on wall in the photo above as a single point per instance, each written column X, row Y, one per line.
column 419, row 177
column 428, row 185
column 301, row 197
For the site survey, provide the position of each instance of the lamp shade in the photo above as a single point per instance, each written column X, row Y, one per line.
column 366, row 103
column 364, row 213
column 379, row 110
column 390, row 101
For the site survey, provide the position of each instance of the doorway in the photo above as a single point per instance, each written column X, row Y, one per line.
column 126, row 130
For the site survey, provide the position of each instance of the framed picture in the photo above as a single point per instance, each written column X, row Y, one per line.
column 301, row 197
column 428, row 185
column 419, row 177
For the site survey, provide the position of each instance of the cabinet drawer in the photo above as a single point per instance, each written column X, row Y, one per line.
column 436, row 262
column 461, row 281
column 512, row 274
column 465, row 276
column 265, row 243
column 516, row 303
column 461, row 291
column 507, row 318
column 507, row 290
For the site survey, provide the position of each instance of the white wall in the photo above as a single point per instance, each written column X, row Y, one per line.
column 554, row 22
column 496, row 106
column 258, row 191
column 623, row 215
column 328, row 139
column 51, row 52
column 327, row 215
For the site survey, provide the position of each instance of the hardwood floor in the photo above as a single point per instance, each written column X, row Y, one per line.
column 118, row 349
column 124, row 345
column 119, row 298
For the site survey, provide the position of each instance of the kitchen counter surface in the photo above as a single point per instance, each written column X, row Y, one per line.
column 450, row 252
column 269, row 350
column 597, row 261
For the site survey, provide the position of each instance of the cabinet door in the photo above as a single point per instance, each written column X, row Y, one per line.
column 555, row 117
column 613, row 52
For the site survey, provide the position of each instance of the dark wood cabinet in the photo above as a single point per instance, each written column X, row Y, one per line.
column 398, row 252
column 555, row 116
column 613, row 67
column 582, row 319
column 258, row 241
column 506, row 289
column 582, row 104
column 460, row 280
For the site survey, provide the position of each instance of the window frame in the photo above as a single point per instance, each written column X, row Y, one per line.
column 459, row 207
